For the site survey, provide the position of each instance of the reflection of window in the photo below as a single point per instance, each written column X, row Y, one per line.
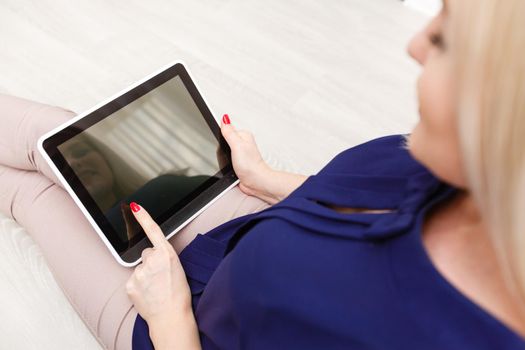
column 148, row 135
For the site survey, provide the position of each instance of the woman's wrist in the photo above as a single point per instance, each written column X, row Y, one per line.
column 272, row 186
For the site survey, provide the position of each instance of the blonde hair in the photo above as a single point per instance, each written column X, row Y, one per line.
column 487, row 45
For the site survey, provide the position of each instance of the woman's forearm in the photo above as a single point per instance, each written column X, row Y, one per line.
column 273, row 186
column 176, row 332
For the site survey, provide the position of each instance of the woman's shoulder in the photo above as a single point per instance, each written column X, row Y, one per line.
column 383, row 156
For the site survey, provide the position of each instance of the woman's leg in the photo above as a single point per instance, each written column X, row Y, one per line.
column 91, row 279
column 23, row 122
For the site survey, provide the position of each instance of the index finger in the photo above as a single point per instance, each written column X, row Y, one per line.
column 150, row 227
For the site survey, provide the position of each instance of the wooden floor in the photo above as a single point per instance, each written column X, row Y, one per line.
column 309, row 78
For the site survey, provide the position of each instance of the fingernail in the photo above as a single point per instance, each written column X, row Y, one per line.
column 226, row 119
column 134, row 206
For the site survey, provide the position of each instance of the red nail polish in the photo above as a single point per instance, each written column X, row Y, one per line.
column 226, row 119
column 134, row 206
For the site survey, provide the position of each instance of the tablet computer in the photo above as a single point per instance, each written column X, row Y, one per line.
column 155, row 143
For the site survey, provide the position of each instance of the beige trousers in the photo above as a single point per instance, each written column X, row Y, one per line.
column 30, row 193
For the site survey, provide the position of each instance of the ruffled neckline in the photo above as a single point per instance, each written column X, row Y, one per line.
column 402, row 195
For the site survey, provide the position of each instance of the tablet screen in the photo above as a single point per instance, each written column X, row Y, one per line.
column 156, row 150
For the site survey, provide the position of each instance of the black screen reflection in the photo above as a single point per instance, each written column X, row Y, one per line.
column 113, row 184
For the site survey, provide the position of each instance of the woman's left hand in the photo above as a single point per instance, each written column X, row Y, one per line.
column 158, row 286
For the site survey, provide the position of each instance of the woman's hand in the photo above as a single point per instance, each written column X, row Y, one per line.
column 248, row 163
column 256, row 177
column 159, row 290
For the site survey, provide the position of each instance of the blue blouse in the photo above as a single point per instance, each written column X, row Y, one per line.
column 300, row 275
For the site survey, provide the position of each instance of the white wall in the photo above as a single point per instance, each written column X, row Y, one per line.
column 429, row 7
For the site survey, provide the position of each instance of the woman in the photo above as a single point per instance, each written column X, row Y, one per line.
column 301, row 278
column 391, row 245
